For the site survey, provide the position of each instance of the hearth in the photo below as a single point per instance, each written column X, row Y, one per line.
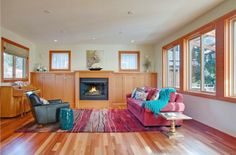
column 93, row 88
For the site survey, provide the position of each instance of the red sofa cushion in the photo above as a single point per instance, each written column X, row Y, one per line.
column 172, row 97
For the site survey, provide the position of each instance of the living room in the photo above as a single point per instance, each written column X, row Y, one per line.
column 118, row 77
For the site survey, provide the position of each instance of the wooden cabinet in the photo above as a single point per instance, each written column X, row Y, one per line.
column 69, row 88
column 13, row 100
column 58, row 85
column 117, row 89
column 62, row 85
column 124, row 83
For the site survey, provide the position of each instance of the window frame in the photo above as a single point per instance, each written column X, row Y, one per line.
column 3, row 40
column 229, row 54
column 198, row 34
column 138, row 61
column 51, row 52
column 222, row 60
column 165, row 62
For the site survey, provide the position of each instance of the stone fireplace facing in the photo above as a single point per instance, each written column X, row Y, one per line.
column 93, row 89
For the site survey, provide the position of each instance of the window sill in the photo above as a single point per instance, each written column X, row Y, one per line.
column 14, row 80
column 209, row 96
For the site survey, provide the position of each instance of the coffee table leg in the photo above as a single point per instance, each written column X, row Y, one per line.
column 172, row 132
column 172, row 127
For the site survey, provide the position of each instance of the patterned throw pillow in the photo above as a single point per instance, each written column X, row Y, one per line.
column 133, row 93
column 155, row 95
column 142, row 89
column 140, row 95
column 151, row 93
column 44, row 101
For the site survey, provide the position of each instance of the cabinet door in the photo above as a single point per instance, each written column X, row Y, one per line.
column 37, row 81
column 117, row 89
column 58, row 92
column 48, row 86
column 69, row 89
column 139, row 80
column 129, row 84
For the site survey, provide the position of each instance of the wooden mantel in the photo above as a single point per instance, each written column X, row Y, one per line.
column 92, row 103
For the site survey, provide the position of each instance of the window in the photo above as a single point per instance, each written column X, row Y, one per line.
column 15, row 61
column 202, row 59
column 173, row 67
column 129, row 61
column 232, row 60
column 60, row 60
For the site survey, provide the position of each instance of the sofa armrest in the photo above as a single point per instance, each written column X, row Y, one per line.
column 56, row 101
column 128, row 96
column 179, row 98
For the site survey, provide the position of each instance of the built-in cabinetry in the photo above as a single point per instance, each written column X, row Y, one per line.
column 13, row 101
column 55, row 85
column 123, row 84
column 66, row 86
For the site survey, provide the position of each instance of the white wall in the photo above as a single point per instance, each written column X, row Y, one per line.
column 23, row 41
column 217, row 114
column 109, row 58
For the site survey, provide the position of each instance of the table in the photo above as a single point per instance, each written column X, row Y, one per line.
column 173, row 116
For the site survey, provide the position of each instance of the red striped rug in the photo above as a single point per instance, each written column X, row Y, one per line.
column 105, row 120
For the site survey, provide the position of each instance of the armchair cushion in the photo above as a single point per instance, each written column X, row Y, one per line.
column 56, row 101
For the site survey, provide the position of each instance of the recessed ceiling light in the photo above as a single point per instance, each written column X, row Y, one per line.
column 55, row 40
column 132, row 41
column 131, row 12
column 47, row 11
column 120, row 32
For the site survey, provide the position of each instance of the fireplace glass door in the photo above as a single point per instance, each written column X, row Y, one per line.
column 93, row 88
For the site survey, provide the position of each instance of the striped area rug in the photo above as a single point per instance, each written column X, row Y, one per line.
column 106, row 120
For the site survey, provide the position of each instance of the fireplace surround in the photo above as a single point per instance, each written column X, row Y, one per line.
column 93, row 89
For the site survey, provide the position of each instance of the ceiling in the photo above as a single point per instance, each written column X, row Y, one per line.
column 100, row 21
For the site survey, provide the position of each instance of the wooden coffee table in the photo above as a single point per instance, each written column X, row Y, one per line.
column 173, row 117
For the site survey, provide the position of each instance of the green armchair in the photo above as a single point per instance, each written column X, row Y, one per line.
column 45, row 113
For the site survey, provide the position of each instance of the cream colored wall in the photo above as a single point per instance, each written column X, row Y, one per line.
column 220, row 10
column 109, row 58
column 23, row 41
column 217, row 114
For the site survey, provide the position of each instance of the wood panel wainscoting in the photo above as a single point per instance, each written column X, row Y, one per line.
column 120, row 84
column 65, row 85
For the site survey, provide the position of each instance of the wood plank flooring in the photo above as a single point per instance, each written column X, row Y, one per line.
column 199, row 139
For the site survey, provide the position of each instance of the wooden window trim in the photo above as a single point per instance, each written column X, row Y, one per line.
column 138, row 61
column 222, row 62
column 59, row 51
column 2, row 63
column 165, row 63
column 198, row 35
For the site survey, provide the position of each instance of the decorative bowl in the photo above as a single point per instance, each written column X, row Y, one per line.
column 95, row 69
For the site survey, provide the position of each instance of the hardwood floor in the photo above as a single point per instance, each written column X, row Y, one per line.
column 199, row 139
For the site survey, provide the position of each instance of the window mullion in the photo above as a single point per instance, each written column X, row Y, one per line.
column 190, row 69
column 174, row 80
column 202, row 65
column 168, row 67
column 14, row 67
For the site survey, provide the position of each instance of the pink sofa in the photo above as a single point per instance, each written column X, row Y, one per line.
column 147, row 118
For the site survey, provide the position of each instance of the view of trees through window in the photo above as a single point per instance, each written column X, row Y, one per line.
column 173, row 70
column 14, row 66
column 203, row 62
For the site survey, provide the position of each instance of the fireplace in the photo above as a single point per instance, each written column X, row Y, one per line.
column 93, row 88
